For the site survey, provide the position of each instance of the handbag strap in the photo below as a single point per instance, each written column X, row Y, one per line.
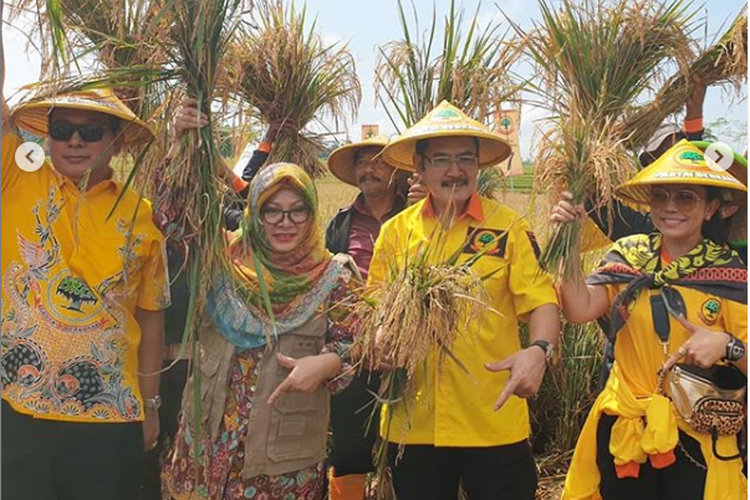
column 660, row 318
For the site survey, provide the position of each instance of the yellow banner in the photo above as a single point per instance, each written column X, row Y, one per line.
column 507, row 124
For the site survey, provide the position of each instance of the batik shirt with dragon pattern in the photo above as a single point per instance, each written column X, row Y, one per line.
column 73, row 273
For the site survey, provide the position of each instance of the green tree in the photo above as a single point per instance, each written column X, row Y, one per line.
column 76, row 291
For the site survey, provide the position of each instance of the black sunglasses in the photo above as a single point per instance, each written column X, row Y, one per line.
column 63, row 130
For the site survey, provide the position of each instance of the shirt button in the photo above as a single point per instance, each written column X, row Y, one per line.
column 252, row 388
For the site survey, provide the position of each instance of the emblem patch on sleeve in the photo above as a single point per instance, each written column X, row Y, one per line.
column 496, row 239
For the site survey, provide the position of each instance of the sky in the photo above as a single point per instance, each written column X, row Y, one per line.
column 365, row 25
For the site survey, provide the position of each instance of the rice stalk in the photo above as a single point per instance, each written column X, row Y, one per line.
column 293, row 78
column 723, row 63
column 594, row 59
column 489, row 182
column 198, row 39
column 422, row 307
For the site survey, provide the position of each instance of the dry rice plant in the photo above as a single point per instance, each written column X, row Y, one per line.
column 724, row 63
column 421, row 305
column 286, row 71
column 594, row 59
column 199, row 35
column 123, row 37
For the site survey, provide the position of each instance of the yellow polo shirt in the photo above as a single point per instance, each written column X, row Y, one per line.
column 639, row 357
column 453, row 408
column 71, row 282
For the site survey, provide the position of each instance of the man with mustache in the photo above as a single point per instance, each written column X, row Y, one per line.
column 354, row 230
column 457, row 429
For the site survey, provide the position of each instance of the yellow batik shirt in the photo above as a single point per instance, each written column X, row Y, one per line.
column 451, row 407
column 72, row 279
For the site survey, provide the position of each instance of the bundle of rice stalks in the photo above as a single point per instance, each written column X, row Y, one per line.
column 121, row 37
column 288, row 73
column 425, row 303
column 594, row 59
column 199, row 35
column 723, row 63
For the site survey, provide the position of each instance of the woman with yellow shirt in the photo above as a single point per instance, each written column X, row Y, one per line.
column 634, row 444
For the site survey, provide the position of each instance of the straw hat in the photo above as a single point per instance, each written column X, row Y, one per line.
column 446, row 120
column 33, row 116
column 684, row 163
column 341, row 162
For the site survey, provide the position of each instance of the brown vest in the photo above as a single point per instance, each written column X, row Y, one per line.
column 286, row 437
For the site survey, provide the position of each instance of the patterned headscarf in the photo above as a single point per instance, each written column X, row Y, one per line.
column 289, row 274
column 295, row 283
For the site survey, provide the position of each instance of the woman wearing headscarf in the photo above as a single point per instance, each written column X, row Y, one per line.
column 272, row 349
column 679, row 294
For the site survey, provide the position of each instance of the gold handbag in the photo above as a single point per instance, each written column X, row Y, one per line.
column 711, row 401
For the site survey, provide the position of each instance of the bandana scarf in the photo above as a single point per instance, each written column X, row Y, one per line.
column 297, row 282
column 635, row 260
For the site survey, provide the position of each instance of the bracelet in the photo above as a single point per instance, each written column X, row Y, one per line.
column 153, row 403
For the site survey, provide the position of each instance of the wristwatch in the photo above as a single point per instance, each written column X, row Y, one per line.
column 152, row 403
column 546, row 347
column 735, row 349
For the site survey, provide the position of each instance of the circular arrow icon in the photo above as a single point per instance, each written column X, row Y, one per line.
column 29, row 156
column 719, row 156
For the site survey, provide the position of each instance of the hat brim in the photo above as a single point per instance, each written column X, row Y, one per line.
column 493, row 150
column 738, row 169
column 341, row 162
column 637, row 193
column 33, row 117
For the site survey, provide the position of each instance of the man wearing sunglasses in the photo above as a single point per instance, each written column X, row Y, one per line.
column 84, row 289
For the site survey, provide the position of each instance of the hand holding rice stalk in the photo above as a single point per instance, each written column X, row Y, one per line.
column 422, row 308
column 723, row 63
column 286, row 71
column 201, row 30
column 594, row 60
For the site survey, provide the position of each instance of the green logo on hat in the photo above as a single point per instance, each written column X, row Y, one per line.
column 445, row 115
column 691, row 156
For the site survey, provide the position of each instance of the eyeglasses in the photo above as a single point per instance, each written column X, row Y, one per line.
column 684, row 199
column 63, row 130
column 274, row 216
column 462, row 162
